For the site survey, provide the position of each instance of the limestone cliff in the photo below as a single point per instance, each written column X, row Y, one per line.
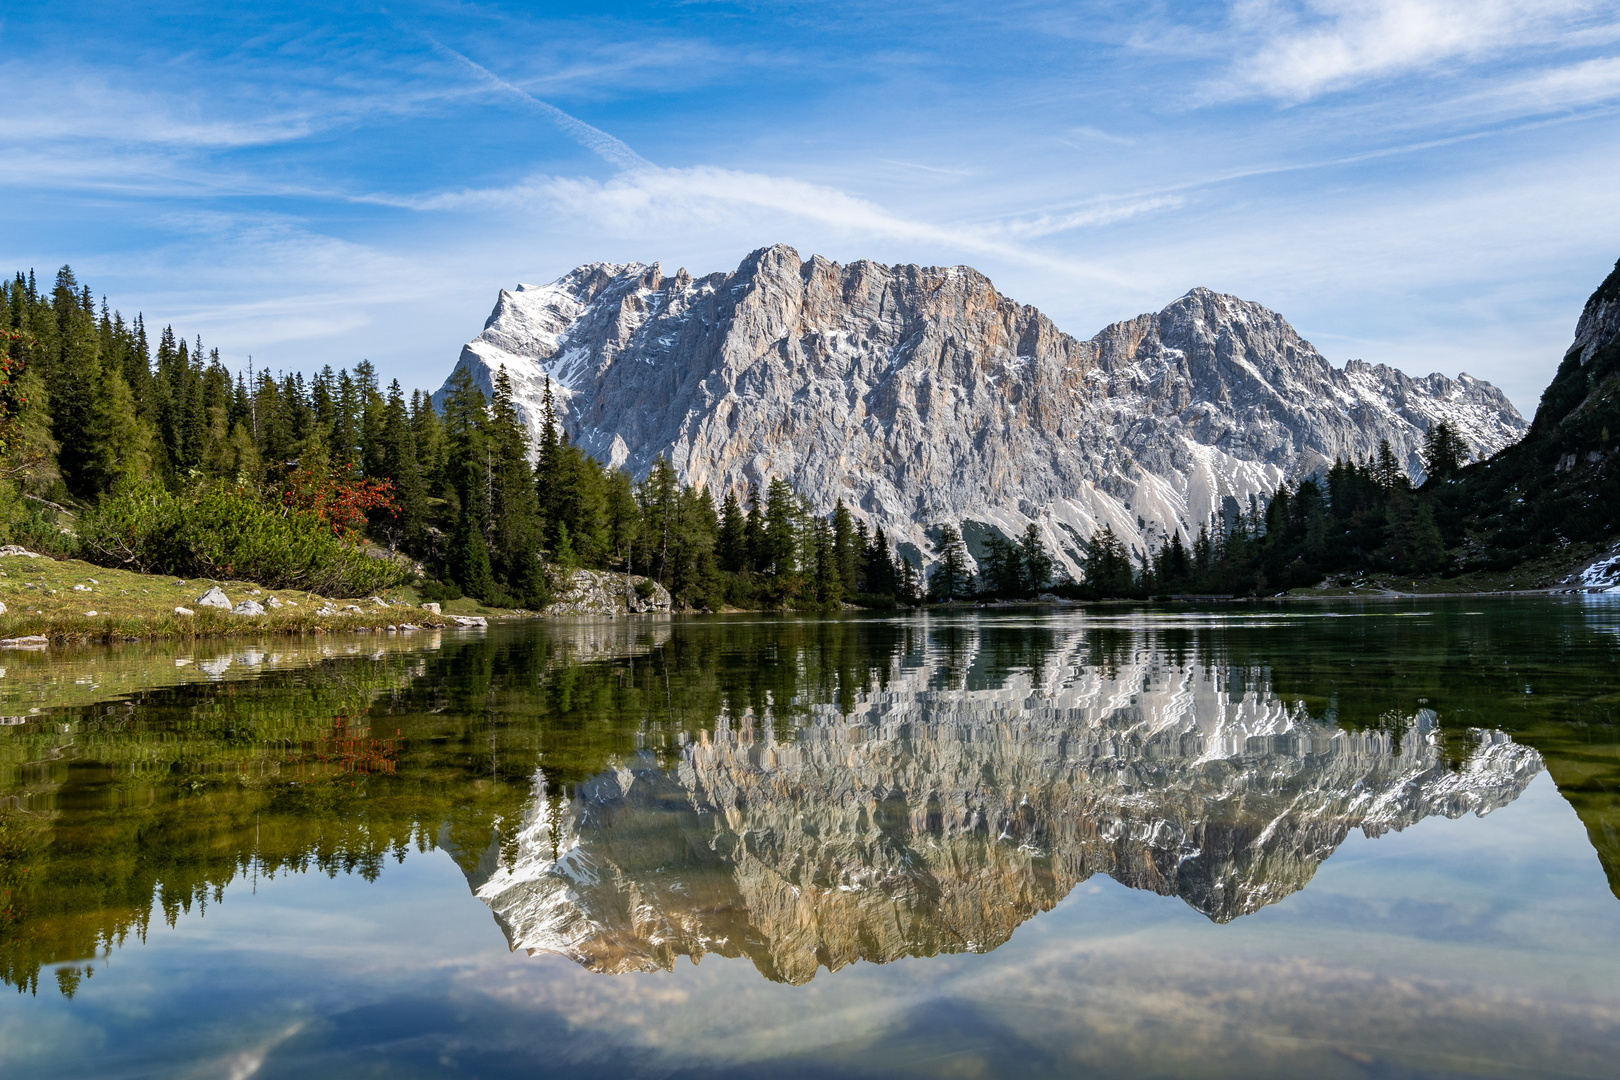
column 921, row 395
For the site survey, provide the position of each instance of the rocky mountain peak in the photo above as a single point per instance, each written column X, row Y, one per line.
column 920, row 395
column 1600, row 320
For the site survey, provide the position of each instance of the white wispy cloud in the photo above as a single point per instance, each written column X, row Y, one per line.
column 1295, row 51
column 597, row 141
column 653, row 202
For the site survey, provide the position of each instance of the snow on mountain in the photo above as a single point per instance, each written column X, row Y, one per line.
column 921, row 395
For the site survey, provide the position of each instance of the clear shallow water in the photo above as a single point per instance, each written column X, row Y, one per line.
column 1220, row 842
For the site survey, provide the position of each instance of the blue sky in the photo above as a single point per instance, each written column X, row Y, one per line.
column 1427, row 183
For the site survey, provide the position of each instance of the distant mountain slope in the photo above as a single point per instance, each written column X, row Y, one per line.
column 921, row 395
column 1561, row 484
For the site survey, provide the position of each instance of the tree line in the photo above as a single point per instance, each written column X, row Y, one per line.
column 1359, row 518
column 490, row 511
column 91, row 410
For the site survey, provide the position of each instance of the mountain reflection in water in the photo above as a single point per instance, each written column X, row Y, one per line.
column 928, row 817
column 804, row 793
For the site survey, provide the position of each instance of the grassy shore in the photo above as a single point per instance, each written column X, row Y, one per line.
column 69, row 600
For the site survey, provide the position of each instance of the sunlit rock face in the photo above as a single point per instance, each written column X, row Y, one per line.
column 936, row 818
column 922, row 395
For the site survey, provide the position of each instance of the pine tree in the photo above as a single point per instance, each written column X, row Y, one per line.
column 882, row 576
column 1444, row 451
column 623, row 519
column 467, row 463
column 427, row 432
column 1108, row 565
column 1391, row 477
column 406, row 524
column 1034, row 561
column 1003, row 572
column 658, row 499
column 516, row 505
column 846, row 551
column 829, row 576
column 781, row 529
column 547, row 465
column 731, row 545
column 755, row 544
column 951, row 579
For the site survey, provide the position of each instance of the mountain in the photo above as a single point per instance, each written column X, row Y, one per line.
column 939, row 813
column 921, row 395
column 1560, row 484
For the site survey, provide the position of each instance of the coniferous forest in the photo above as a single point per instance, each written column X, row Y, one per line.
column 165, row 461
column 169, row 463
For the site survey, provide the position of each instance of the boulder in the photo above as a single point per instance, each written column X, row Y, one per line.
column 184, row 611
column 13, row 549
column 469, row 620
column 248, row 607
column 434, row 608
column 214, row 598
column 30, row 641
column 602, row 593
column 274, row 602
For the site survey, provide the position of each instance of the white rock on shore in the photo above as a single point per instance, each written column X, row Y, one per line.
column 214, row 598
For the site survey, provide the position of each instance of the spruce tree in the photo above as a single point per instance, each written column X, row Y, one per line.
column 1391, row 477
column 846, row 551
column 1444, row 451
column 407, row 523
column 882, row 575
column 516, row 505
column 623, row 519
column 755, row 544
column 951, row 579
column 781, row 529
column 731, row 545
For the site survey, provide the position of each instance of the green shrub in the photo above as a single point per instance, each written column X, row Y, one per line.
column 438, row 592
column 228, row 533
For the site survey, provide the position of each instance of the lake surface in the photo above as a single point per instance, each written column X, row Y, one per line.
column 1355, row 840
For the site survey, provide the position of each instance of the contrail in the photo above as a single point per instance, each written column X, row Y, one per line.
column 593, row 139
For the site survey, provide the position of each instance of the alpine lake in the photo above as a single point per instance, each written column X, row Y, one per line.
column 1327, row 839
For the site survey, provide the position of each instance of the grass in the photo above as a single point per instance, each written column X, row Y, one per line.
column 69, row 600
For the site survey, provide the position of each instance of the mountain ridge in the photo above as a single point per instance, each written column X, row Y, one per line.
column 921, row 395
